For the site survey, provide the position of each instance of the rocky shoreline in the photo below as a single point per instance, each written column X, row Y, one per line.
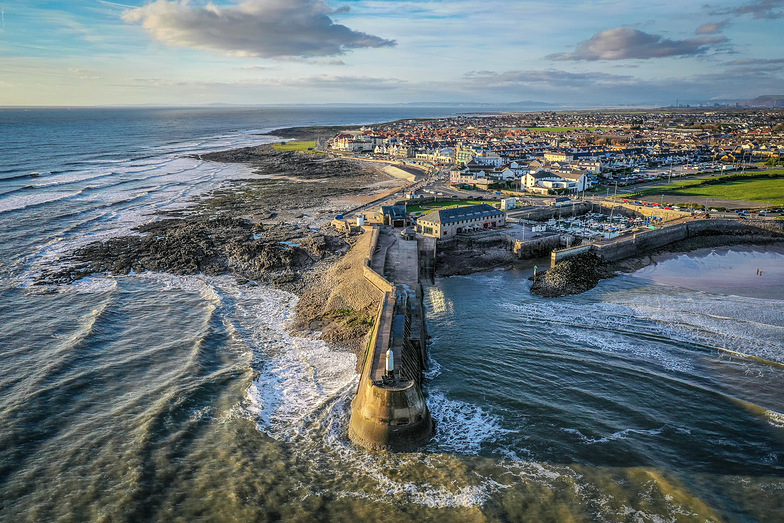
column 272, row 228
column 210, row 245
column 573, row 275
column 275, row 228
column 268, row 229
column 582, row 273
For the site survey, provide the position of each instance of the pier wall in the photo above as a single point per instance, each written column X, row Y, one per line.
column 560, row 254
column 389, row 411
column 644, row 210
column 655, row 239
column 545, row 213
column 537, row 247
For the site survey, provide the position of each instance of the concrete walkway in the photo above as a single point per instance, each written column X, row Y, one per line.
column 402, row 263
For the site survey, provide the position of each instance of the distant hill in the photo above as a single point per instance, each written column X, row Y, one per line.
column 765, row 102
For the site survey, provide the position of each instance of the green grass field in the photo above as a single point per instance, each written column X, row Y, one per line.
column 296, row 146
column 432, row 206
column 760, row 187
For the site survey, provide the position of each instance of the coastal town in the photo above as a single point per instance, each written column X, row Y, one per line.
column 391, row 261
column 528, row 190
column 554, row 153
column 522, row 162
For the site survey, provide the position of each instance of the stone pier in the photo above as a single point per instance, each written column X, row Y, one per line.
column 389, row 411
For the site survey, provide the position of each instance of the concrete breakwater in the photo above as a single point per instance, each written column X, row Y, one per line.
column 578, row 269
column 651, row 240
column 389, row 410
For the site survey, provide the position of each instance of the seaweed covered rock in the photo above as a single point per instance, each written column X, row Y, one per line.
column 208, row 245
column 572, row 276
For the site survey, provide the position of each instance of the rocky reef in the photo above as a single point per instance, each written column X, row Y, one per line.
column 572, row 276
column 214, row 245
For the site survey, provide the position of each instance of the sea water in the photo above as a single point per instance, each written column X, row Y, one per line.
column 654, row 396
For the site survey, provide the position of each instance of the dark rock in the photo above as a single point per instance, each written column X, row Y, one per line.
column 571, row 276
column 211, row 246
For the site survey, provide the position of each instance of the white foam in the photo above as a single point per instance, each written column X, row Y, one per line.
column 24, row 200
column 297, row 377
column 775, row 418
column 614, row 343
column 607, row 327
column 462, row 427
column 741, row 324
column 621, row 434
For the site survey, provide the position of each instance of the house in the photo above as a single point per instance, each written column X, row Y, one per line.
column 533, row 179
column 557, row 156
column 464, row 153
column 577, row 177
column 394, row 215
column 489, row 159
column 468, row 178
column 446, row 223
column 478, row 180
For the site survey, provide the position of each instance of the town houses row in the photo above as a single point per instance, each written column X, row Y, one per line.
column 554, row 152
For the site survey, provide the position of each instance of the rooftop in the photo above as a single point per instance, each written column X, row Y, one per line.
column 456, row 214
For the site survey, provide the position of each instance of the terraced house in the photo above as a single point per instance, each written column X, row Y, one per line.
column 446, row 223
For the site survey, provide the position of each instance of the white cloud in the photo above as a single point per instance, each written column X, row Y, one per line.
column 623, row 43
column 544, row 78
column 263, row 28
column 711, row 28
column 761, row 9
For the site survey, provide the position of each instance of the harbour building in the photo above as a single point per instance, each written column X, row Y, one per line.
column 445, row 223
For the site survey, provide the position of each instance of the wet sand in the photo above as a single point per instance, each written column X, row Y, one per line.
column 722, row 270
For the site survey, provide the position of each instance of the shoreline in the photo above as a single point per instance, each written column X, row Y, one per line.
column 273, row 228
column 645, row 259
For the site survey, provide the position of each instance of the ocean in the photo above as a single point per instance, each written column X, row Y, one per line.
column 656, row 396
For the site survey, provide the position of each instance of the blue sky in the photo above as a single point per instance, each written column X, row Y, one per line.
column 601, row 52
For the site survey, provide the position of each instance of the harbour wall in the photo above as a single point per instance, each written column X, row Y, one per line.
column 650, row 240
column 545, row 213
column 389, row 410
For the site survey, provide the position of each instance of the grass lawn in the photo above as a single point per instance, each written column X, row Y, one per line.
column 431, row 206
column 296, row 146
column 767, row 190
column 758, row 188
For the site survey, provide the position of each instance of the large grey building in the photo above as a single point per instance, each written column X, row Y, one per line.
column 445, row 223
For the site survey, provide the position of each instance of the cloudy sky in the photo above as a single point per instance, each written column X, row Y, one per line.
column 600, row 52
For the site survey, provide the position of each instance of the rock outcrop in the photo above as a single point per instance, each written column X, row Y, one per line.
column 571, row 276
column 216, row 245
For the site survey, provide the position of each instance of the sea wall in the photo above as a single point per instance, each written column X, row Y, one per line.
column 545, row 213
column 560, row 254
column 643, row 210
column 397, row 172
column 650, row 240
column 537, row 247
column 389, row 410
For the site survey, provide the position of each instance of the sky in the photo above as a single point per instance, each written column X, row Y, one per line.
column 247, row 52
